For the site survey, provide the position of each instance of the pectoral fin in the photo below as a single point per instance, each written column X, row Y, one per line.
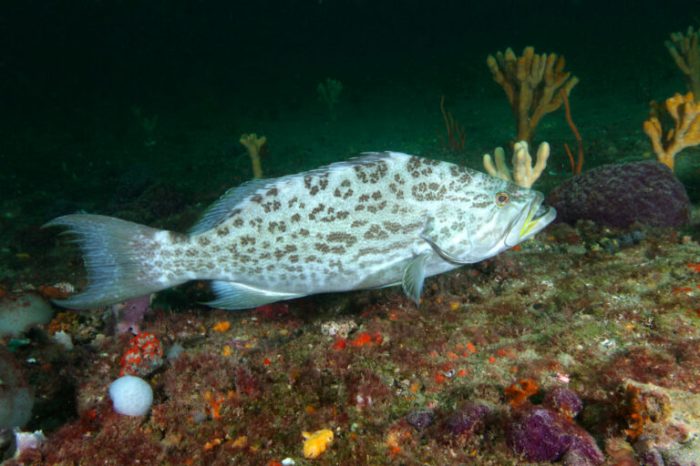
column 235, row 296
column 414, row 276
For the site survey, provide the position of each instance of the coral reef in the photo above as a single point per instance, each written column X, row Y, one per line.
column 620, row 195
column 533, row 84
column 517, row 359
column 685, row 113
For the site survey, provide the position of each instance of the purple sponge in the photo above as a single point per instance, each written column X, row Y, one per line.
column 619, row 195
column 541, row 434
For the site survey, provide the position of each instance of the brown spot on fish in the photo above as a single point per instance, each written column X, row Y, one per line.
column 339, row 237
column 392, row 227
column 316, row 210
column 376, row 207
column 375, row 232
column 247, row 240
column 428, row 191
column 275, row 227
column 273, row 206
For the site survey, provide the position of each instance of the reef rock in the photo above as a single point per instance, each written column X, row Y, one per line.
column 665, row 423
column 619, row 195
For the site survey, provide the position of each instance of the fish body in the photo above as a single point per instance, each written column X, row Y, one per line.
column 378, row 220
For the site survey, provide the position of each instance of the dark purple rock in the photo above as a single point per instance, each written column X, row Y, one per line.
column 647, row 454
column 619, row 195
column 564, row 401
column 541, row 434
column 583, row 452
column 420, row 419
column 469, row 419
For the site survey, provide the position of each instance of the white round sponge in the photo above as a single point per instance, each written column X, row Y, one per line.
column 131, row 396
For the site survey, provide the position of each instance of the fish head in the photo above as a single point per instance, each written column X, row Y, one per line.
column 511, row 215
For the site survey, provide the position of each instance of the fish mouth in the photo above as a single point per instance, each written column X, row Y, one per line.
column 538, row 216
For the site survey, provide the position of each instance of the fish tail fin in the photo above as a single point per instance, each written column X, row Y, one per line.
column 116, row 254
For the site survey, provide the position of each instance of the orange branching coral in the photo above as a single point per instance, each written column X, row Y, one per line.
column 533, row 85
column 254, row 145
column 686, row 53
column 518, row 393
column 685, row 113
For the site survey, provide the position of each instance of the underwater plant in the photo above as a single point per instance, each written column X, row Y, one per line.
column 533, row 85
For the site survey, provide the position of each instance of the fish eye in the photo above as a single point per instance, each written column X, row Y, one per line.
column 502, row 199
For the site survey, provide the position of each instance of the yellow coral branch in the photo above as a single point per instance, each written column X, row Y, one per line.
column 685, row 113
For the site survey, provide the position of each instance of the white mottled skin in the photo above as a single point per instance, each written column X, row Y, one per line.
column 351, row 225
column 337, row 254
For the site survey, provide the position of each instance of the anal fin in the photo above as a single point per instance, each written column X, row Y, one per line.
column 236, row 296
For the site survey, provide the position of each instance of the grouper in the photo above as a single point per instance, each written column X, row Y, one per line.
column 377, row 220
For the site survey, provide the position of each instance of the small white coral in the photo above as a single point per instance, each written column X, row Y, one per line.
column 524, row 173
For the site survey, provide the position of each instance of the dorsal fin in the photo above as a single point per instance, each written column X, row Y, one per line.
column 221, row 209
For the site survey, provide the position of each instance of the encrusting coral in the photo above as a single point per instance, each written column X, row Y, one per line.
column 686, row 53
column 253, row 145
column 685, row 113
column 533, row 85
column 524, row 173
